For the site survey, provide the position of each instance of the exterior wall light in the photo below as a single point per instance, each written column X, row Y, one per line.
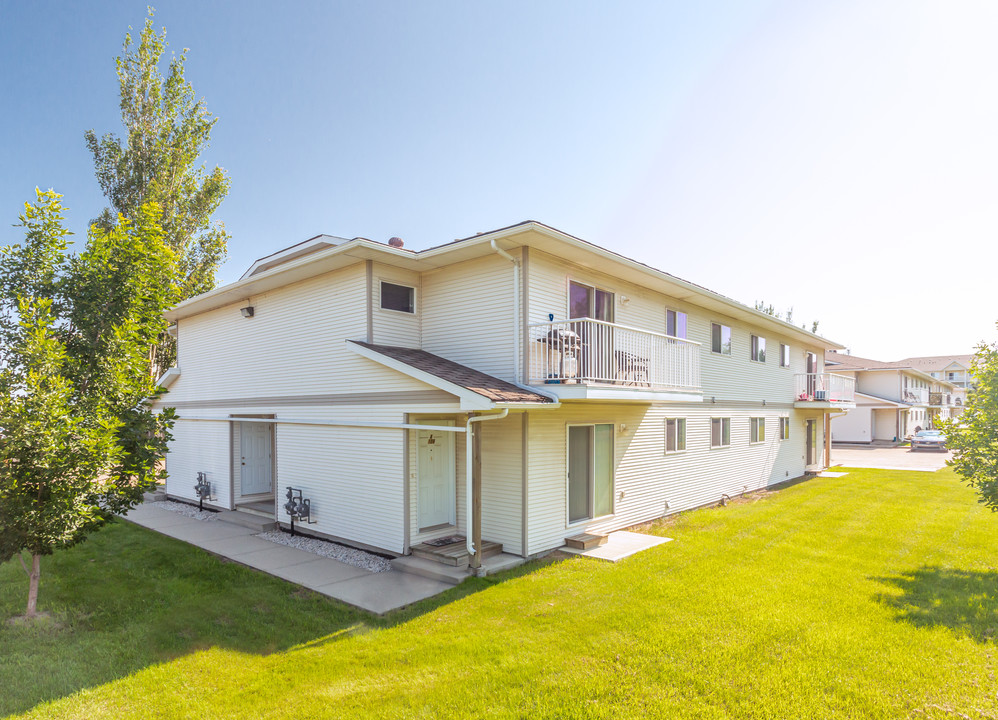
column 247, row 311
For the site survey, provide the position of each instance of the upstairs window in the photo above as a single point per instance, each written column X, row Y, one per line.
column 720, row 339
column 675, row 324
column 758, row 348
column 784, row 355
column 758, row 430
column 398, row 297
column 720, row 432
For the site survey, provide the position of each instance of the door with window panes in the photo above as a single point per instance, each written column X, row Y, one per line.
column 596, row 353
column 590, row 471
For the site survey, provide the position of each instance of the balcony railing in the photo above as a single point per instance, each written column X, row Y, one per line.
column 942, row 399
column 594, row 352
column 825, row 387
column 915, row 396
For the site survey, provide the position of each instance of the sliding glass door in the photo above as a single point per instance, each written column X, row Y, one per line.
column 590, row 471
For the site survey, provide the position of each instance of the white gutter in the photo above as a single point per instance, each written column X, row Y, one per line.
column 468, row 452
column 516, row 308
column 330, row 423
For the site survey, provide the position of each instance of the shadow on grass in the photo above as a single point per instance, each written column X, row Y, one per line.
column 965, row 601
column 129, row 598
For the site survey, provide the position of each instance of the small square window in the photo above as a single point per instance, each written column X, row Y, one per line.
column 675, row 435
column 398, row 297
column 720, row 339
column 758, row 430
column 758, row 348
column 720, row 432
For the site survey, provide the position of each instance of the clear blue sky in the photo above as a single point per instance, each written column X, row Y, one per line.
column 838, row 157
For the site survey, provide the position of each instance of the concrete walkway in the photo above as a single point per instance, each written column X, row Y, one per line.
column 374, row 592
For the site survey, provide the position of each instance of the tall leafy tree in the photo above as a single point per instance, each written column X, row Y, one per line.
column 166, row 129
column 79, row 441
column 973, row 436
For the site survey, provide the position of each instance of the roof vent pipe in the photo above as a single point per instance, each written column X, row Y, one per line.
column 395, row 242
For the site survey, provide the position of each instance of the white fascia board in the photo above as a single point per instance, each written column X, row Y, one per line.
column 469, row 400
column 169, row 377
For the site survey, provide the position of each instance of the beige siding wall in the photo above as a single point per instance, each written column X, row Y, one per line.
column 467, row 315
column 647, row 482
column 294, row 345
column 200, row 447
column 725, row 377
column 392, row 327
column 855, row 426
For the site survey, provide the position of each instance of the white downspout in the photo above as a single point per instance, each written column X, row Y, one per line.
column 516, row 308
column 468, row 440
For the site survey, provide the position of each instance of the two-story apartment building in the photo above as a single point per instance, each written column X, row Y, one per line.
column 893, row 399
column 520, row 385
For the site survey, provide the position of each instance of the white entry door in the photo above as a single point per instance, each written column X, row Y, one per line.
column 255, row 446
column 436, row 478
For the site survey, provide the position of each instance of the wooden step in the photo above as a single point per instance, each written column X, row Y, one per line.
column 455, row 554
column 585, row 541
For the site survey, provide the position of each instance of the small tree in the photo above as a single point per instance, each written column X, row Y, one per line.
column 79, row 441
column 166, row 130
column 973, row 436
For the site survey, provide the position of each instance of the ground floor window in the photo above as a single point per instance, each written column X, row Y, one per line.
column 720, row 432
column 784, row 428
column 590, row 471
column 757, row 427
column 675, row 435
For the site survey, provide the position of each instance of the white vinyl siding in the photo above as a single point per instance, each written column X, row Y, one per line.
column 467, row 315
column 646, row 485
column 200, row 447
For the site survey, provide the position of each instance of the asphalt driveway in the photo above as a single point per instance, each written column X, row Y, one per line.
column 888, row 458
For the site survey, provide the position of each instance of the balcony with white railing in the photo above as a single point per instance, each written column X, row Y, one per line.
column 593, row 359
column 824, row 390
column 915, row 396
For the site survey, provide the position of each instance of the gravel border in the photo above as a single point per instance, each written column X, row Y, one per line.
column 187, row 510
column 349, row 556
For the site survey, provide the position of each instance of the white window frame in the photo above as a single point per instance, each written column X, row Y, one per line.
column 784, row 355
column 381, row 296
column 721, row 350
column 724, row 421
column 784, row 428
column 757, row 430
column 685, row 323
column 679, row 422
column 757, row 348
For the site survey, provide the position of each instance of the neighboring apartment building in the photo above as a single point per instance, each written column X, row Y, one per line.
column 893, row 399
column 951, row 368
column 599, row 392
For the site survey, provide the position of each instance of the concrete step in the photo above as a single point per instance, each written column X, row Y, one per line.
column 458, row 561
column 430, row 569
column 154, row 496
column 500, row 562
column 254, row 522
column 585, row 541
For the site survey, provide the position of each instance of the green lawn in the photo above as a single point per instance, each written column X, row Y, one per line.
column 870, row 595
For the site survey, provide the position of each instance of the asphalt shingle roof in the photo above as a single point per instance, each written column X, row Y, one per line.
column 481, row 383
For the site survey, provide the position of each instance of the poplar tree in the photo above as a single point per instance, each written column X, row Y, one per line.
column 166, row 128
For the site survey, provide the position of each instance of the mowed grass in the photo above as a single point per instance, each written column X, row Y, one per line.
column 874, row 595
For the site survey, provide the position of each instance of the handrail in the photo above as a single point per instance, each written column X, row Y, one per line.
column 618, row 326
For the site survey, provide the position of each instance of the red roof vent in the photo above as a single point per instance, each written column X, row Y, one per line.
column 396, row 242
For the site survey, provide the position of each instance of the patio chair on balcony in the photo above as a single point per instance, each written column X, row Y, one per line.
column 631, row 369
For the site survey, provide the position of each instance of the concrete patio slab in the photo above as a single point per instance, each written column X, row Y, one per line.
column 319, row 572
column 889, row 458
column 232, row 546
column 381, row 592
column 619, row 545
column 274, row 559
column 374, row 592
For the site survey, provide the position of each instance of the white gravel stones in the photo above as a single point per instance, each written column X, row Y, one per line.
column 349, row 556
column 187, row 510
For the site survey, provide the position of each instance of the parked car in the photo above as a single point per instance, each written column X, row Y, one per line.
column 933, row 439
